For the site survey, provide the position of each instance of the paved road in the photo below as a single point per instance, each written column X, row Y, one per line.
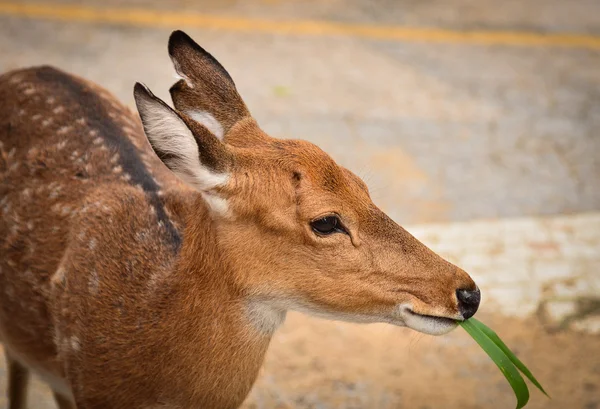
column 442, row 131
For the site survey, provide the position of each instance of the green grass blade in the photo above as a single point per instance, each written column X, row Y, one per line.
column 496, row 340
column 505, row 365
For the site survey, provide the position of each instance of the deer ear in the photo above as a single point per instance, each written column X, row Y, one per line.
column 191, row 151
column 206, row 93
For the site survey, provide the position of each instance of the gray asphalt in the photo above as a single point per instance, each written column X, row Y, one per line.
column 441, row 132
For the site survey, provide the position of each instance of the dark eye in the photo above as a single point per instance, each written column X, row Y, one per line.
column 327, row 225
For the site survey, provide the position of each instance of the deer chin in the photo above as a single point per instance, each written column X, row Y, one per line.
column 427, row 324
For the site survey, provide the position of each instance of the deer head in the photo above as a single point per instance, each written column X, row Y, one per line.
column 300, row 231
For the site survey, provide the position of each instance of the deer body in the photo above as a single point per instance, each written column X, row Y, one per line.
column 70, row 192
column 130, row 284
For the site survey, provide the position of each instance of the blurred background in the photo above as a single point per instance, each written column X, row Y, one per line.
column 476, row 125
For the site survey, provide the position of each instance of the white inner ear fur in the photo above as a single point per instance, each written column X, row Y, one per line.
column 179, row 75
column 208, row 121
column 172, row 136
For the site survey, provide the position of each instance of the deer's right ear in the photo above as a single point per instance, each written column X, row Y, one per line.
column 206, row 92
column 191, row 151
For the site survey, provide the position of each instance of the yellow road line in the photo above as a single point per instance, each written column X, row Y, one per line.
column 156, row 18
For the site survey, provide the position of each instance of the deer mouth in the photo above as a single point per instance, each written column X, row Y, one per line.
column 435, row 318
column 428, row 324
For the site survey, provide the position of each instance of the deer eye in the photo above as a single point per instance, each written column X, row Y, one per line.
column 327, row 225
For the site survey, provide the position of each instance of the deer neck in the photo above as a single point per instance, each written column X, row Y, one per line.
column 221, row 334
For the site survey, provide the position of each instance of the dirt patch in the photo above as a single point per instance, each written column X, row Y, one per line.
column 325, row 365
column 320, row 364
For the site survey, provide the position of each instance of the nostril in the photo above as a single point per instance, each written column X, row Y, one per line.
column 468, row 297
column 468, row 302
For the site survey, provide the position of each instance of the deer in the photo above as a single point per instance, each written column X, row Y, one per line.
column 147, row 259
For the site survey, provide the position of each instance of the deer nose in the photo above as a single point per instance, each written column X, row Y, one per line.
column 468, row 302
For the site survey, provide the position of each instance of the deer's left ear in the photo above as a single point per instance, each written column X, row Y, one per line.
column 190, row 150
column 206, row 93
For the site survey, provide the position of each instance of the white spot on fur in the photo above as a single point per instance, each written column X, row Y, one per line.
column 50, row 100
column 61, row 144
column 142, row 235
column 28, row 274
column 127, row 118
column 29, row 91
column 15, row 227
column 15, row 79
column 21, row 112
column 126, row 177
column 64, row 130
column 30, row 226
column 93, row 132
column 75, row 344
column 92, row 244
column 147, row 163
column 47, row 122
column 55, row 192
column 11, row 153
column 9, row 290
column 208, row 121
column 59, row 276
column 80, row 121
column 117, row 169
column 26, row 193
column 114, row 159
column 97, row 141
column 59, row 109
column 94, row 282
column 36, row 117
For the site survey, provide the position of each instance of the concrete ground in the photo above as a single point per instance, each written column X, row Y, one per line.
column 475, row 125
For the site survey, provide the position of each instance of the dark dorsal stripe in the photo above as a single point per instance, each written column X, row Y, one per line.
column 91, row 107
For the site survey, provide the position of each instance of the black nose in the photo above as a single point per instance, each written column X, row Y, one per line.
column 468, row 302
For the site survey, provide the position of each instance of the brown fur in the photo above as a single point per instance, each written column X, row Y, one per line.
column 117, row 278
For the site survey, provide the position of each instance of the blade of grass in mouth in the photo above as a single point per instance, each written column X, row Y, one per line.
column 501, row 360
column 516, row 361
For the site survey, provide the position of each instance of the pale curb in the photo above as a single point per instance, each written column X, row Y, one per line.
column 549, row 266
